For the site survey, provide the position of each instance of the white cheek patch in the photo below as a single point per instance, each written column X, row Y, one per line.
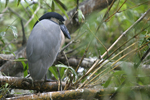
column 62, row 38
column 55, row 20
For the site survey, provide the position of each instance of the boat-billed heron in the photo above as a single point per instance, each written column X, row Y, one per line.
column 44, row 43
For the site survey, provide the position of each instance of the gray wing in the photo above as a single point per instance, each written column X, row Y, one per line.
column 42, row 48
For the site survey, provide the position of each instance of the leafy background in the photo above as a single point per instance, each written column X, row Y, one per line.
column 99, row 33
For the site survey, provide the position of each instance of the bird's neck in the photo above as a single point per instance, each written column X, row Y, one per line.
column 62, row 38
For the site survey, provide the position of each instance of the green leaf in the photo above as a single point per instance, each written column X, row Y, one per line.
column 14, row 30
column 74, row 72
column 2, row 34
column 18, row 2
column 62, row 72
column 61, row 4
column 64, row 12
column 53, row 6
column 70, row 68
column 53, row 72
column 20, row 59
column 80, row 15
column 25, row 68
column 50, row 2
column 2, row 40
column 6, row 3
column 6, row 85
column 13, row 54
column 129, row 15
column 63, row 67
column 60, row 65
column 107, row 82
column 118, row 73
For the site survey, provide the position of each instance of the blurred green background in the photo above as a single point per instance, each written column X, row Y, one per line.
column 95, row 28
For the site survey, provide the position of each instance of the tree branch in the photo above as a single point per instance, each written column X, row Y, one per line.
column 87, row 7
column 28, row 84
column 86, row 94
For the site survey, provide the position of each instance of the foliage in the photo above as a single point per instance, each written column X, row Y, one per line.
column 100, row 29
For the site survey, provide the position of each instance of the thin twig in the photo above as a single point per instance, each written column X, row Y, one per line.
column 134, row 6
column 142, row 58
column 71, row 42
column 135, row 23
column 82, row 58
column 95, row 65
column 1, row 15
column 116, row 11
column 16, row 14
column 134, row 50
column 24, row 40
column 33, row 15
column 106, row 14
column 26, row 10
column 66, row 58
column 59, row 83
column 87, row 80
column 77, row 5
column 31, row 4
column 127, row 41
column 137, row 49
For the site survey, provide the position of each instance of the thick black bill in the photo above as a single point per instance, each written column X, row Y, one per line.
column 65, row 31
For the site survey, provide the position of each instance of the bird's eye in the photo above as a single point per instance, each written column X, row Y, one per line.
column 60, row 22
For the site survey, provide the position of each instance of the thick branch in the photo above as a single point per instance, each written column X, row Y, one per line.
column 87, row 7
column 13, row 68
column 28, row 84
column 86, row 94
column 10, row 67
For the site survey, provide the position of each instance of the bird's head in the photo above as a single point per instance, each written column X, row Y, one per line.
column 58, row 19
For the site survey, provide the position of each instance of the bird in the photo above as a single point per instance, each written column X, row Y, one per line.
column 44, row 43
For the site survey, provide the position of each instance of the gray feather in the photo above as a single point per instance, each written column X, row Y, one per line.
column 42, row 47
